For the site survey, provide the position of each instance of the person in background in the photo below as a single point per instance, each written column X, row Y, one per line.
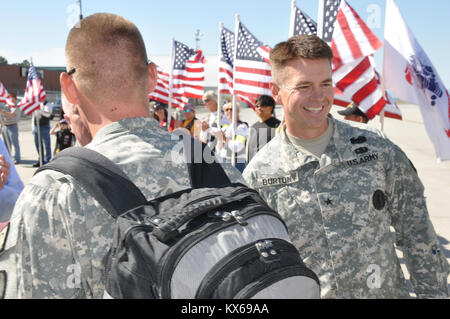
column 340, row 186
column 160, row 114
column 264, row 130
column 64, row 136
column 226, row 145
column 10, row 184
column 10, row 130
column 40, row 123
column 191, row 123
column 210, row 126
column 353, row 113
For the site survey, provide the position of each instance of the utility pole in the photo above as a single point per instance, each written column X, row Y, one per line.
column 81, row 13
column 198, row 35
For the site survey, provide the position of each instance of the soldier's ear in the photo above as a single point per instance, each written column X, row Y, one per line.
column 152, row 76
column 69, row 88
column 275, row 89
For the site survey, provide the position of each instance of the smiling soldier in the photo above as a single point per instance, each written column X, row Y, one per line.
column 339, row 186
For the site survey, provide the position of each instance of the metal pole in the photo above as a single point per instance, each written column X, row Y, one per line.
column 219, row 104
column 81, row 13
column 292, row 23
column 233, row 127
column 172, row 64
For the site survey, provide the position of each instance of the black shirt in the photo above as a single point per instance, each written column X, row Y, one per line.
column 64, row 139
column 260, row 135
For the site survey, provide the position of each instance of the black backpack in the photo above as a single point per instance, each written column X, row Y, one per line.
column 214, row 240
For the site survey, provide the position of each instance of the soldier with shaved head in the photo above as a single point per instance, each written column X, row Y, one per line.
column 59, row 232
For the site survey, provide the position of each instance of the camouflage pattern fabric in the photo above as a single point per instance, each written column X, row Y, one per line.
column 339, row 211
column 61, row 234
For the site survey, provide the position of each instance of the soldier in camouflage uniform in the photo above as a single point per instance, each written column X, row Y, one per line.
column 340, row 200
column 59, row 232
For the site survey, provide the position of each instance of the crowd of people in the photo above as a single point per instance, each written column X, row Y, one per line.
column 338, row 185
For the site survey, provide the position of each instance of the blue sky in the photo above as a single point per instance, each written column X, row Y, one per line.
column 39, row 29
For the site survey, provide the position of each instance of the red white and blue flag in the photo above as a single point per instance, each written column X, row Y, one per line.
column 161, row 91
column 188, row 72
column 352, row 38
column 354, row 73
column 4, row 96
column 226, row 61
column 34, row 93
column 252, row 71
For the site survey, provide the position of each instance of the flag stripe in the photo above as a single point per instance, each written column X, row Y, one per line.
column 373, row 40
column 365, row 91
column 354, row 74
column 348, row 35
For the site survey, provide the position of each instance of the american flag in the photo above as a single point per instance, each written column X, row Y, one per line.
column 301, row 23
column 252, row 71
column 161, row 92
column 352, row 39
column 360, row 81
column 188, row 72
column 226, row 61
column 354, row 74
column 4, row 96
column 34, row 93
column 328, row 10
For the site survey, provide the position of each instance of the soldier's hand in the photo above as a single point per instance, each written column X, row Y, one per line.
column 4, row 171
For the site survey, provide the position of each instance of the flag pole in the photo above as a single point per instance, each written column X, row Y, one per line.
column 38, row 129
column 320, row 20
column 233, row 127
column 292, row 23
column 172, row 61
column 219, row 105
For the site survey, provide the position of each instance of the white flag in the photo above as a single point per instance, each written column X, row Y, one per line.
column 410, row 75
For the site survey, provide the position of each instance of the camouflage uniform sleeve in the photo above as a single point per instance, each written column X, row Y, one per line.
column 45, row 263
column 415, row 234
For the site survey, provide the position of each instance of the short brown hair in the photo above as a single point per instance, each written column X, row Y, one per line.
column 300, row 46
column 108, row 53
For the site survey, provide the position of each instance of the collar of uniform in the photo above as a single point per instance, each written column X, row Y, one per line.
column 289, row 151
column 342, row 134
column 129, row 124
column 336, row 151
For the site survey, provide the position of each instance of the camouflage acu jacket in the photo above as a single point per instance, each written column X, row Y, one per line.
column 61, row 234
column 339, row 211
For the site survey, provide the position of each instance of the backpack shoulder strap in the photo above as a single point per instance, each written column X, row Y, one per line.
column 100, row 177
column 203, row 168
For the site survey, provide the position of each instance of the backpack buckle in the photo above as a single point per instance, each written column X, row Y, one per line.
column 267, row 253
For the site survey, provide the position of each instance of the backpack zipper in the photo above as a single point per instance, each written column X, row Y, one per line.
column 175, row 254
column 234, row 259
column 272, row 277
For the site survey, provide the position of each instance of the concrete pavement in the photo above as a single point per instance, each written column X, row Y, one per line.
column 409, row 134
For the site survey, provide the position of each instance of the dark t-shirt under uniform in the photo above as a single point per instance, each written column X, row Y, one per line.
column 260, row 134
